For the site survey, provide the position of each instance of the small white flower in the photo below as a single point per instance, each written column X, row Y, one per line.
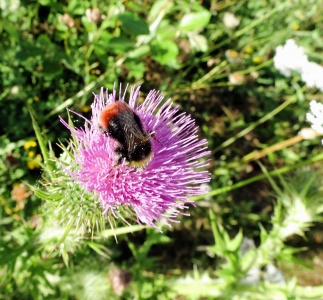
column 93, row 15
column 236, row 78
column 15, row 90
column 315, row 116
column 230, row 20
column 290, row 57
column 312, row 75
column 232, row 56
column 308, row 133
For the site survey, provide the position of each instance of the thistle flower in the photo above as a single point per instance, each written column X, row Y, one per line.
column 160, row 190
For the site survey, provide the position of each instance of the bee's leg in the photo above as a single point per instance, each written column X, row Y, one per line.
column 153, row 135
column 122, row 154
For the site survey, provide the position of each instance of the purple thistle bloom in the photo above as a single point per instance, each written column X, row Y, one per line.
column 160, row 190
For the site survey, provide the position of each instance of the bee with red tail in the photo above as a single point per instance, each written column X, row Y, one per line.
column 118, row 121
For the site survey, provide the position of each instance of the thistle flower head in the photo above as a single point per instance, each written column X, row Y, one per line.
column 159, row 190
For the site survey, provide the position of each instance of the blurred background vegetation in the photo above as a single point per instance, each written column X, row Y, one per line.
column 214, row 59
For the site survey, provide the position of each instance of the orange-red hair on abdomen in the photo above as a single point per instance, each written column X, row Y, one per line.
column 110, row 111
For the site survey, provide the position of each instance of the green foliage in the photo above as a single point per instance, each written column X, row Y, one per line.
column 55, row 241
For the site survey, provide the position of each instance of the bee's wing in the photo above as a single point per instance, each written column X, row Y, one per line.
column 134, row 133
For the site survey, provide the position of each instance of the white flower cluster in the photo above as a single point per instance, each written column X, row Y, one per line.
column 315, row 116
column 291, row 57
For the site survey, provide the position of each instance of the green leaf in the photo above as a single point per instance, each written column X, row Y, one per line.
column 234, row 244
column 51, row 57
column 165, row 53
column 134, row 24
column 198, row 42
column 120, row 44
column 47, row 195
column 139, row 52
column 90, row 27
column 98, row 248
column 51, row 3
column 65, row 256
column 45, row 2
column 136, row 69
column 122, row 230
column 195, row 21
column 100, row 49
column 41, row 138
column 11, row 30
column 157, row 7
column 167, row 31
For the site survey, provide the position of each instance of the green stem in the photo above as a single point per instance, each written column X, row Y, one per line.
column 240, row 184
column 261, row 19
column 86, row 89
column 41, row 140
column 250, row 26
column 254, row 125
